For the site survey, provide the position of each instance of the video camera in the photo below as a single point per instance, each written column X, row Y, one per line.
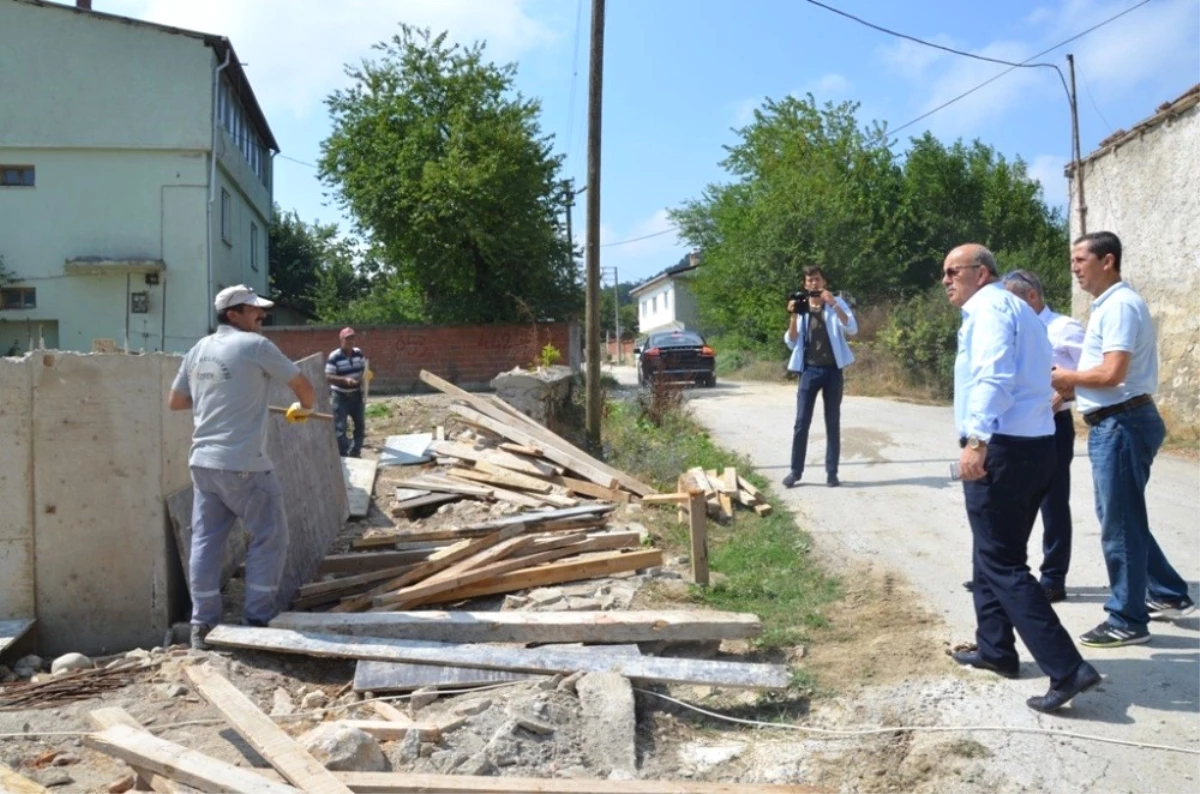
column 802, row 295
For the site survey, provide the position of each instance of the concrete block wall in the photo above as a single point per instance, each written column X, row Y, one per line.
column 85, row 533
column 467, row 355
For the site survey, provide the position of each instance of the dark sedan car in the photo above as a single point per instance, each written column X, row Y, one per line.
column 676, row 356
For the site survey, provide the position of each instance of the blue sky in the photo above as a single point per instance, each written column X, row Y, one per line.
column 680, row 75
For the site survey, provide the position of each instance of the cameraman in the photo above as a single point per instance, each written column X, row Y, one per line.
column 817, row 329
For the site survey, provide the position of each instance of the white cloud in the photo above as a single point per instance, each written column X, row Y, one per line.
column 296, row 49
column 827, row 87
column 1048, row 169
column 911, row 60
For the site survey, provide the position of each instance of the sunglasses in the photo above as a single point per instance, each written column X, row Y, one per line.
column 953, row 271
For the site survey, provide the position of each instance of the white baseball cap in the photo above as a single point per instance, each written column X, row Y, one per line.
column 238, row 295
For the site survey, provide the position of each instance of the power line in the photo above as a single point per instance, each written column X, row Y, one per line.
column 636, row 239
column 294, row 160
column 1088, row 89
column 574, row 79
column 994, row 78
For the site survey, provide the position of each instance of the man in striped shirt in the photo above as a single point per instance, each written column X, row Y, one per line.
column 344, row 372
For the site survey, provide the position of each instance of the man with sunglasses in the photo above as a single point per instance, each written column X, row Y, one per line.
column 1002, row 399
column 1066, row 344
column 1114, row 384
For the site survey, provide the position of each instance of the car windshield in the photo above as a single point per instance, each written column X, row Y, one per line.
column 676, row 339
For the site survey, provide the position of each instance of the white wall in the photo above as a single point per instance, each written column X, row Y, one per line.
column 1146, row 192
column 668, row 302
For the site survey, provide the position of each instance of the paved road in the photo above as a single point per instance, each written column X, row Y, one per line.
column 897, row 507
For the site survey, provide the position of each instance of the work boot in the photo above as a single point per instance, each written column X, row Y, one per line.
column 199, row 635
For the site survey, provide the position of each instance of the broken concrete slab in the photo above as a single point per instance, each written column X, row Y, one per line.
column 608, row 709
column 406, row 450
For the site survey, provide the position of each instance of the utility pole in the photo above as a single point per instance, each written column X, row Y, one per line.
column 592, row 316
column 1076, row 155
column 617, row 310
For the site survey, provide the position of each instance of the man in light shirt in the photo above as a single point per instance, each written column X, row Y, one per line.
column 1114, row 384
column 1002, row 411
column 1066, row 344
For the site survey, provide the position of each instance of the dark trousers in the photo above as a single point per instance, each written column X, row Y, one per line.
column 1056, row 507
column 1002, row 508
column 829, row 381
column 348, row 406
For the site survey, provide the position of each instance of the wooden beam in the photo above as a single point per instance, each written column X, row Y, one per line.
column 521, row 449
column 11, row 781
column 437, row 561
column 386, row 730
column 698, row 530
column 390, row 712
column 503, row 494
column 763, row 510
column 144, row 750
column 532, row 627
column 414, row 783
column 146, row 780
column 431, row 500
column 749, row 488
column 497, row 457
column 557, row 573
column 319, row 592
column 437, row 482
column 490, row 657
column 665, row 499
column 269, row 740
column 495, row 475
column 533, row 483
column 363, row 562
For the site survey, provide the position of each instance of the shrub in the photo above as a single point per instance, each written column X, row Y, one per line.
column 922, row 335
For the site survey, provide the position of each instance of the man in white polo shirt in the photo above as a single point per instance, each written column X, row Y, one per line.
column 1117, row 376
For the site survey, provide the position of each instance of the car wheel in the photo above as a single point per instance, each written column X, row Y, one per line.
column 710, row 381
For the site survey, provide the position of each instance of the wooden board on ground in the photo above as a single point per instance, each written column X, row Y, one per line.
column 411, row 783
column 13, row 630
column 115, row 715
column 360, row 484
column 387, row 730
column 260, row 731
column 429, row 500
column 144, row 750
column 407, row 450
column 524, row 660
column 363, row 562
column 531, row 627
column 11, row 782
column 496, row 475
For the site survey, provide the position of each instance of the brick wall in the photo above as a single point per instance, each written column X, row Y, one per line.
column 467, row 355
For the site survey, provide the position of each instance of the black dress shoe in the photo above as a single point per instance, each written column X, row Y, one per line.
column 1084, row 678
column 969, row 586
column 832, row 481
column 973, row 659
column 1055, row 594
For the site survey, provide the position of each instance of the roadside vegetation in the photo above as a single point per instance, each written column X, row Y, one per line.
column 762, row 565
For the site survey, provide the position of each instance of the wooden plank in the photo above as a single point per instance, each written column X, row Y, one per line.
column 390, row 712
column 725, row 504
column 497, row 457
column 496, row 475
column 115, row 715
column 729, row 477
column 541, row 520
column 445, row 485
column 665, row 499
column 531, row 627
column 700, row 478
column 431, row 500
column 414, row 783
column 558, row 572
column 524, row 660
column 144, row 750
column 748, row 487
column 521, row 449
column 419, row 593
column 404, row 494
column 363, row 562
column 260, row 731
column 359, row 474
column 345, row 583
column 386, row 730
column 577, row 486
column 763, row 510
column 13, row 630
column 13, row 783
column 437, row 561
column 515, row 497
column 698, row 530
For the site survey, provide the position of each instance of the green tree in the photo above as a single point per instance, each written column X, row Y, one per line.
column 445, row 168
column 313, row 268
column 6, row 275
column 627, row 312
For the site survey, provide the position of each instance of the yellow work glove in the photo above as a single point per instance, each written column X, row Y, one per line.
column 369, row 375
column 297, row 413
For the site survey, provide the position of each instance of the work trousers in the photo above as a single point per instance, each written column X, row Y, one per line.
column 349, row 406
column 1056, row 507
column 1002, row 508
column 1121, row 449
column 827, row 381
column 220, row 497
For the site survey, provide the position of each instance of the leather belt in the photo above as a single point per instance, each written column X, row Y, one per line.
column 1100, row 414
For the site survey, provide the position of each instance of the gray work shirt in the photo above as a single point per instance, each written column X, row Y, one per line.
column 227, row 374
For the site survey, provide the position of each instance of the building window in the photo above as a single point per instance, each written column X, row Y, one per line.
column 226, row 216
column 666, row 300
column 654, row 304
column 16, row 176
column 18, row 298
column 254, row 246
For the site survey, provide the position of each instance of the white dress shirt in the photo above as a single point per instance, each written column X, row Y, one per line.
column 1066, row 342
column 1002, row 372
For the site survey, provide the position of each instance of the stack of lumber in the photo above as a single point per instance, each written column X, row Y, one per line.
column 531, row 549
column 721, row 490
column 168, row 766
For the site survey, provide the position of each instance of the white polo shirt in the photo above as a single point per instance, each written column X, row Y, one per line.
column 1120, row 321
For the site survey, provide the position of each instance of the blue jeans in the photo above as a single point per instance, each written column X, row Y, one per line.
column 1002, row 508
column 813, row 380
column 219, row 497
column 1121, row 449
column 348, row 406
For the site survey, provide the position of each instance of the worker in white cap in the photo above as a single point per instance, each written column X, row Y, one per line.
column 223, row 380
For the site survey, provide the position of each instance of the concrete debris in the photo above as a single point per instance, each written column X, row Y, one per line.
column 311, row 701
column 71, row 661
column 702, row 757
column 27, row 666
column 608, row 710
column 65, row 759
column 545, row 596
column 478, row 764
column 121, row 785
column 342, row 748
column 282, row 704
column 583, row 604
column 473, row 707
column 422, row 698
column 512, row 602
column 569, row 683
column 409, row 748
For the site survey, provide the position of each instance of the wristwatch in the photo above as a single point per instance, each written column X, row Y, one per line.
column 974, row 442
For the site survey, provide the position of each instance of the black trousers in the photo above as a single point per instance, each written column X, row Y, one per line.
column 1002, row 508
column 1056, row 507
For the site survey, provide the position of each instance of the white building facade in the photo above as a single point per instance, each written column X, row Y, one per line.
column 666, row 301
column 135, row 180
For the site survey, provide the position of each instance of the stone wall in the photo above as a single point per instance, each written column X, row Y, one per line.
column 1143, row 187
